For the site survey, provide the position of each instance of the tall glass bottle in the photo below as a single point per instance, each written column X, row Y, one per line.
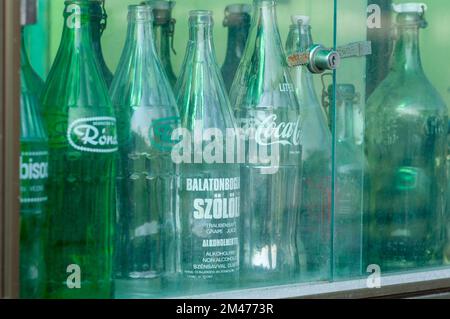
column 98, row 25
column 406, row 150
column 268, row 113
column 164, row 30
column 350, row 169
column 315, row 219
column 209, row 183
column 83, row 144
column 147, row 113
column 33, row 179
column 237, row 20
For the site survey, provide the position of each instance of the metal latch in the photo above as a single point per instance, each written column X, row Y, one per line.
column 319, row 59
column 356, row 49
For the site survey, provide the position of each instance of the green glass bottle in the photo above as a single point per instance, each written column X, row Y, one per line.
column 83, row 145
column 237, row 20
column 98, row 26
column 269, row 115
column 406, row 124
column 164, row 30
column 147, row 114
column 350, row 170
column 33, row 179
column 314, row 225
column 209, row 185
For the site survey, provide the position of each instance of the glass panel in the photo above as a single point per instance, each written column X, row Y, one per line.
column 246, row 204
column 392, row 103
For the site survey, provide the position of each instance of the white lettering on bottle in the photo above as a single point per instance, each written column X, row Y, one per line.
column 30, row 170
column 268, row 132
column 95, row 134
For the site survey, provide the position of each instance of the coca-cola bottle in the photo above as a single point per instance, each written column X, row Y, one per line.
column 209, row 184
column 83, row 144
column 268, row 113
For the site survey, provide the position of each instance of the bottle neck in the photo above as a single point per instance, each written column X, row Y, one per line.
column 77, row 33
column 406, row 55
column 24, row 59
column 201, row 42
column 237, row 38
column 299, row 39
column 266, row 19
column 163, row 41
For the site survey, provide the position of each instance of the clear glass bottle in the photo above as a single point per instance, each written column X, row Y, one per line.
column 164, row 31
column 406, row 125
column 314, row 233
column 98, row 26
column 81, row 127
column 237, row 20
column 350, row 170
column 146, row 181
column 33, row 179
column 209, row 185
column 269, row 115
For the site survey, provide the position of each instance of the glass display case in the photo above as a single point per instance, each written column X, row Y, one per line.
column 215, row 149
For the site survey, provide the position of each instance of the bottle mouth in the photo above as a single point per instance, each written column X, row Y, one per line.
column 140, row 13
column 264, row 3
column 160, row 4
column 201, row 17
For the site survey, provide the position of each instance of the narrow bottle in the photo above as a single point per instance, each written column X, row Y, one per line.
column 314, row 232
column 237, row 20
column 33, row 179
column 406, row 125
column 268, row 114
column 209, row 183
column 98, row 25
column 349, row 186
column 81, row 127
column 146, row 180
column 163, row 33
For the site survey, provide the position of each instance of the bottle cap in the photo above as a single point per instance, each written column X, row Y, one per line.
column 411, row 7
column 305, row 20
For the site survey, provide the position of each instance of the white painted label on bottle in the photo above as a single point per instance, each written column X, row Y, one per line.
column 93, row 134
column 215, row 210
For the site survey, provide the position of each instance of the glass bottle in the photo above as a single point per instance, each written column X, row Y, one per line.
column 98, row 26
column 81, row 127
column 268, row 114
column 315, row 216
column 237, row 20
column 33, row 179
column 163, row 32
column 406, row 150
column 350, row 170
column 209, row 184
column 147, row 113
